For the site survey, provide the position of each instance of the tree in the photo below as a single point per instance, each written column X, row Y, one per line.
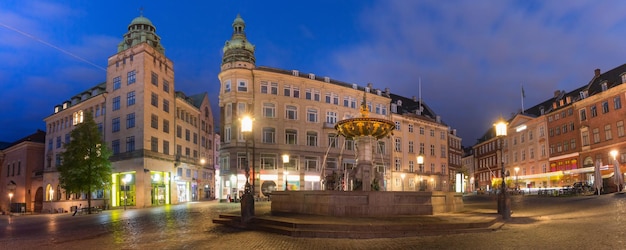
column 85, row 166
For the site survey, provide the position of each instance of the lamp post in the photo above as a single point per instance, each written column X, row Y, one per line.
column 516, row 178
column 420, row 165
column 247, row 200
column 285, row 162
column 504, row 203
column 619, row 178
column 127, row 178
column 402, row 176
column 11, row 187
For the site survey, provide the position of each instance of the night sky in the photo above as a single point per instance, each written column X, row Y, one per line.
column 472, row 57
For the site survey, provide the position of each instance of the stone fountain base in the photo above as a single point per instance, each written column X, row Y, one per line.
column 365, row 204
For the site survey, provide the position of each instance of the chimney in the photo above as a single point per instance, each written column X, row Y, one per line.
column 414, row 99
column 597, row 72
column 557, row 93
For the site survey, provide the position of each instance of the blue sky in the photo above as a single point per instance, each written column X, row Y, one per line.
column 472, row 56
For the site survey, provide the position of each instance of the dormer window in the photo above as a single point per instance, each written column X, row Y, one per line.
column 399, row 102
column 583, row 94
column 624, row 78
column 604, row 86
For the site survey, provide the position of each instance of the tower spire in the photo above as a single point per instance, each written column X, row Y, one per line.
column 238, row 49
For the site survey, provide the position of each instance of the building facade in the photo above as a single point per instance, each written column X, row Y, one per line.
column 161, row 139
column 22, row 174
column 293, row 144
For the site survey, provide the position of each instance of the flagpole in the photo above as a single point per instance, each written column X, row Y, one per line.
column 523, row 95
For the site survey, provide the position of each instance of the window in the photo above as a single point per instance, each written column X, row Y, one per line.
column 421, row 130
column 349, row 144
column 432, row 150
column 268, row 135
column 166, row 105
column 398, row 145
column 397, row 164
column 432, row 133
column 572, row 144
column 154, row 144
column 311, row 115
column 411, row 147
column 179, row 131
column 331, row 117
column 605, row 107
column 291, row 137
column 130, row 98
column 291, row 112
column 594, row 111
column 131, row 77
column 115, row 145
column 311, row 138
column 316, row 96
column 583, row 115
column 116, row 103
column 166, row 86
column 227, row 86
column 397, row 126
column 154, row 121
column 381, row 149
column 410, row 128
column 274, row 88
column 130, row 120
column 620, row 128
column 308, row 94
column 617, row 102
column 607, row 132
column 296, row 92
column 264, row 87
column 596, row 135
column 115, row 124
column 287, row 90
column 187, row 135
column 154, row 79
column 117, row 82
column 327, row 98
column 268, row 161
column 166, row 126
column 154, row 100
column 332, row 140
column 585, row 138
column 310, row 163
column 269, row 110
column 130, row 143
column 242, row 86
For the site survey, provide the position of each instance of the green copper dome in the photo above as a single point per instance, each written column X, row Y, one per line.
column 238, row 48
column 140, row 30
column 140, row 20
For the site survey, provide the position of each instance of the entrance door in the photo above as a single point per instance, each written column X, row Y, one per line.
column 38, row 200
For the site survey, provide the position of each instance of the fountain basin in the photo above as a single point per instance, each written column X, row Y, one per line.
column 365, row 204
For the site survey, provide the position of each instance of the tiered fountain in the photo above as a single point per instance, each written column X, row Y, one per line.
column 365, row 131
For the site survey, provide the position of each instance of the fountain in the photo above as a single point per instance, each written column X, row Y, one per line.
column 365, row 202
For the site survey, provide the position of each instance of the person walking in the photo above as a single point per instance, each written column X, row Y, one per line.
column 79, row 207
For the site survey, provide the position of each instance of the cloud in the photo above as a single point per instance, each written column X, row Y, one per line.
column 473, row 56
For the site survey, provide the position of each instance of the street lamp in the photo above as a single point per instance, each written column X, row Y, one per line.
column 285, row 162
column 504, row 203
column 516, row 178
column 247, row 200
column 127, row 178
column 402, row 176
column 619, row 178
column 11, row 187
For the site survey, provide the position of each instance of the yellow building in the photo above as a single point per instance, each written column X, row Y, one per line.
column 162, row 139
column 294, row 114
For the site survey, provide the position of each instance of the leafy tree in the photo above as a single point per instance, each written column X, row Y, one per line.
column 86, row 166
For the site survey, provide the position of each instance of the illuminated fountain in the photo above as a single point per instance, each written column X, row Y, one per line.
column 364, row 202
column 366, row 131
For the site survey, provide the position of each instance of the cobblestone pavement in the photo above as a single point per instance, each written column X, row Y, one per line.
column 584, row 222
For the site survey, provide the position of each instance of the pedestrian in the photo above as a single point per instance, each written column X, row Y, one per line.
column 79, row 207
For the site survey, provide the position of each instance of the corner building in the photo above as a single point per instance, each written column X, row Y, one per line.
column 162, row 139
column 294, row 115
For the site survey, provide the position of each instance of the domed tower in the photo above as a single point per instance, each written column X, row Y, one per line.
column 141, row 30
column 238, row 52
